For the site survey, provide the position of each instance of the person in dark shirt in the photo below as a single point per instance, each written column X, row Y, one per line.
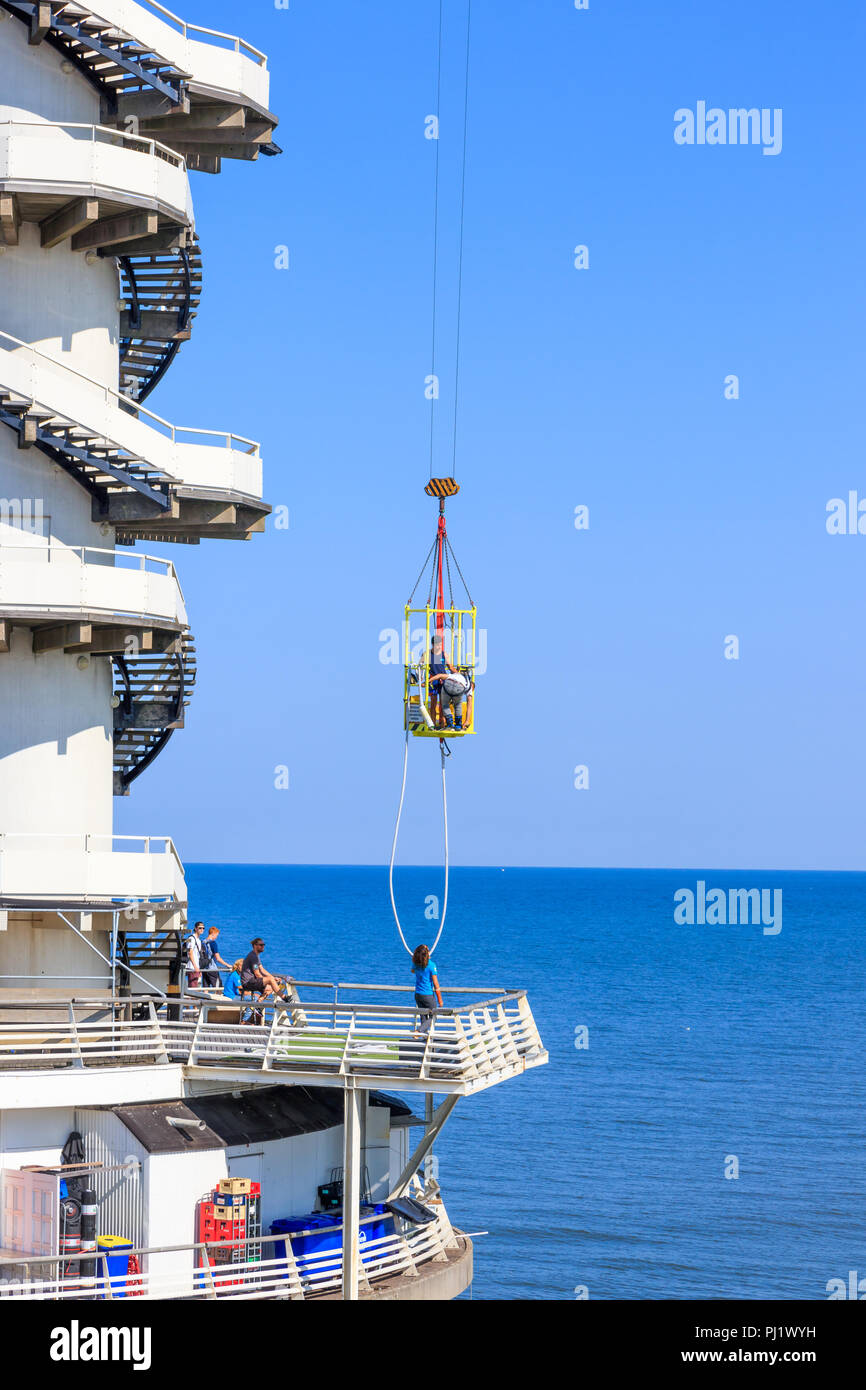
column 255, row 979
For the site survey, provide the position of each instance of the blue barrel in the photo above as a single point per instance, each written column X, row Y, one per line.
column 115, row 1249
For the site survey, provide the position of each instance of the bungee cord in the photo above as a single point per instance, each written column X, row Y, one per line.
column 394, row 847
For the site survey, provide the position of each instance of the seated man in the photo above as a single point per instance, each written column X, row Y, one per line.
column 255, row 979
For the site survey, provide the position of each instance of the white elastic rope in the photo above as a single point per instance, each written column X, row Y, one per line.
column 394, row 845
column 445, row 818
column 394, row 850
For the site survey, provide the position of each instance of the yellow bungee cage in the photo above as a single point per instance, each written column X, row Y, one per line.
column 439, row 642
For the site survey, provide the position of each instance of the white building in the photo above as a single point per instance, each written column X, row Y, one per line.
column 103, row 114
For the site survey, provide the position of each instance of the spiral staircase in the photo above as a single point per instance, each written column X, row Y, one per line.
column 151, row 693
column 196, row 97
column 161, row 295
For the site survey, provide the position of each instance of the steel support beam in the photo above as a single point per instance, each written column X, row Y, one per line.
column 431, row 1134
column 353, row 1099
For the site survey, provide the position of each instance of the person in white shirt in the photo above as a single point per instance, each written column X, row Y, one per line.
column 193, row 956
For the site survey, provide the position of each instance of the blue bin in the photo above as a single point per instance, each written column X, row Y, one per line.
column 320, row 1238
column 381, row 1225
column 114, row 1248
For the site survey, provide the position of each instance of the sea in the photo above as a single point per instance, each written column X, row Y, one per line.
column 700, row 1129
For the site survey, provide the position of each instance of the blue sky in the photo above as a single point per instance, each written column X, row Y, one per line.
column 602, row 387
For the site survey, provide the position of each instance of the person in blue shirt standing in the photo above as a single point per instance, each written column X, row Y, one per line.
column 427, row 989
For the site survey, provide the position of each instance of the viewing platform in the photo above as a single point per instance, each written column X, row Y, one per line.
column 470, row 1046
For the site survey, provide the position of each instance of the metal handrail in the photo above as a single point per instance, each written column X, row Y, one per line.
column 300, row 1276
column 195, row 1004
column 154, row 147
column 165, row 840
column 239, row 45
column 136, row 559
column 131, row 406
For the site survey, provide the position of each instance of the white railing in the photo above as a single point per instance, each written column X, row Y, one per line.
column 265, row 1267
column 226, row 439
column 68, row 867
column 216, row 61
column 41, row 576
column 76, row 160
column 464, row 1048
column 54, row 551
column 179, row 452
column 101, row 134
column 185, row 28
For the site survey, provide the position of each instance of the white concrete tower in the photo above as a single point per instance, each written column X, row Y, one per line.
column 103, row 111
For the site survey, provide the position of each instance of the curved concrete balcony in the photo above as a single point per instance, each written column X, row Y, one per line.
column 97, row 186
column 222, row 62
column 72, row 408
column 89, row 870
column 45, row 582
column 203, row 91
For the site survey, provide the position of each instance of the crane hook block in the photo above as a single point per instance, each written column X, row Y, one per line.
column 442, row 487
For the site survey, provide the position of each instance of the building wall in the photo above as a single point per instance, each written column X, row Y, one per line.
column 33, row 1136
column 55, row 741
column 40, row 945
column 121, row 1196
column 61, row 304
column 32, row 81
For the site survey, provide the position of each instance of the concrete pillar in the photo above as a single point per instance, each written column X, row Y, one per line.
column 352, row 1102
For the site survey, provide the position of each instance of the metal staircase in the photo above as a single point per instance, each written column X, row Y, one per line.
column 156, row 950
column 110, row 57
column 97, row 463
column 161, row 294
column 152, row 692
column 135, row 496
column 137, row 82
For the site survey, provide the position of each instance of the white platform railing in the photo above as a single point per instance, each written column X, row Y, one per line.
column 213, row 59
column 466, row 1048
column 273, row 1272
column 65, row 868
column 41, row 576
column 93, row 161
column 238, row 44
column 216, row 459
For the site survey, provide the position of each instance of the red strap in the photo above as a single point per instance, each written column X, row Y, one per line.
column 440, row 592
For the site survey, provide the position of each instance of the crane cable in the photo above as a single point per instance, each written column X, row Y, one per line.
column 445, row 752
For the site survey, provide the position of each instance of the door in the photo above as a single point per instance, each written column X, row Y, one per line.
column 246, row 1166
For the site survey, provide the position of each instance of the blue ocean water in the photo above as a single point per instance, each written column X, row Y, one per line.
column 606, row 1168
